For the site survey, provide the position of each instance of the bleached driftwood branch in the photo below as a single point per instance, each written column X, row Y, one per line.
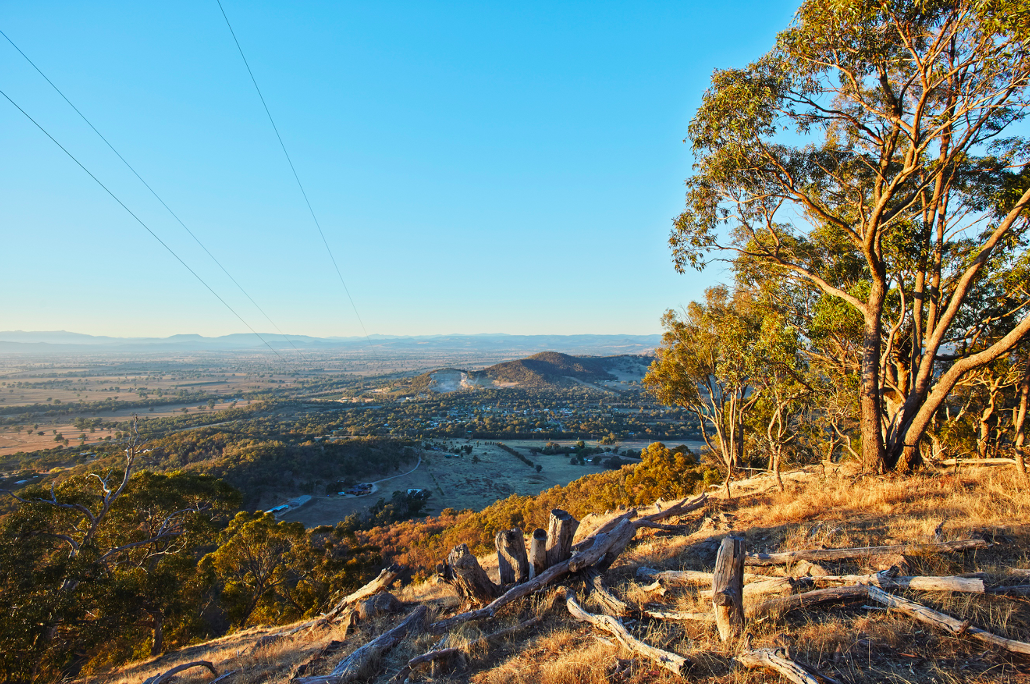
column 673, row 662
column 784, row 557
column 945, row 622
column 353, row 666
column 776, row 659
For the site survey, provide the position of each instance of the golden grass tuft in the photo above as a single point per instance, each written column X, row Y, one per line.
column 852, row 643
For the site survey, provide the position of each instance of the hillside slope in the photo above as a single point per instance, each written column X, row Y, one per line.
column 844, row 640
column 546, row 369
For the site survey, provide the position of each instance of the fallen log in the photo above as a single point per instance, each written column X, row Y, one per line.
column 679, row 615
column 672, row 662
column 583, row 559
column 616, row 542
column 661, row 526
column 969, row 585
column 684, row 505
column 945, row 622
column 1011, row 590
column 166, row 676
column 777, row 660
column 681, row 507
column 604, row 598
column 786, row 604
column 353, row 666
column 728, row 588
column 387, row 576
column 430, row 657
column 784, row 557
column 977, row 461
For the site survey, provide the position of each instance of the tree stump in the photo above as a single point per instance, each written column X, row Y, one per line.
column 728, row 588
column 561, row 528
column 469, row 578
column 538, row 552
column 512, row 561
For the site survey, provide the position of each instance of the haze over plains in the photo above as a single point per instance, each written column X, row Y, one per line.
column 475, row 169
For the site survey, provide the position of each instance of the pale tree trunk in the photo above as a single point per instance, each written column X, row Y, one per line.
column 1019, row 424
column 873, row 453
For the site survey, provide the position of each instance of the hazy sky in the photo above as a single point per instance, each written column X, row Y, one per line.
column 476, row 167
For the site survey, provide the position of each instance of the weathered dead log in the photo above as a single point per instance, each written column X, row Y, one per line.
column 561, row 528
column 678, row 615
column 316, row 658
column 1011, row 590
column 673, row 662
column 977, row 461
column 617, row 538
column 786, row 604
column 439, row 654
column 785, row 557
column 615, row 542
column 608, row 602
column 353, row 666
column 512, row 561
column 728, row 588
column 430, row 657
column 681, row 507
column 224, row 677
column 662, row 526
column 609, row 525
column 945, row 622
column 167, row 676
column 969, row 585
column 469, row 578
column 386, row 577
column 775, row 659
column 538, row 552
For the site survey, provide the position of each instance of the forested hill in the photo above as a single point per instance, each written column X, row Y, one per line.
column 554, row 368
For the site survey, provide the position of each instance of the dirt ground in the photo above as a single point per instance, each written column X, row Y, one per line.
column 457, row 482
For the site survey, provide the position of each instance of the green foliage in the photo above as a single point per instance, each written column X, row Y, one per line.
column 663, row 473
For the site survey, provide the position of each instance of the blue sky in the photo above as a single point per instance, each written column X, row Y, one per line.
column 476, row 167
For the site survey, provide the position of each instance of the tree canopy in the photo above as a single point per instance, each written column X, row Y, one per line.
column 869, row 159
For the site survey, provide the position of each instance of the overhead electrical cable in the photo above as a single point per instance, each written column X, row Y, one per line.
column 296, row 177
column 140, row 221
column 152, row 191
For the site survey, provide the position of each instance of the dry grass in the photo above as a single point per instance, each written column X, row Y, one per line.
column 853, row 643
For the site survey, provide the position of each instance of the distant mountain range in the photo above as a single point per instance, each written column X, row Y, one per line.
column 62, row 342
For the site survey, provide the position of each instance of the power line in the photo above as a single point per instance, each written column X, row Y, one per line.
column 296, row 177
column 138, row 220
column 152, row 191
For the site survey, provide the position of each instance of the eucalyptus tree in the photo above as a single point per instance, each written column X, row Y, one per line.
column 707, row 363
column 869, row 155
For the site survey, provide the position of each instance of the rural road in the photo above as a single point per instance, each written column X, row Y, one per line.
column 394, row 477
column 375, row 485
